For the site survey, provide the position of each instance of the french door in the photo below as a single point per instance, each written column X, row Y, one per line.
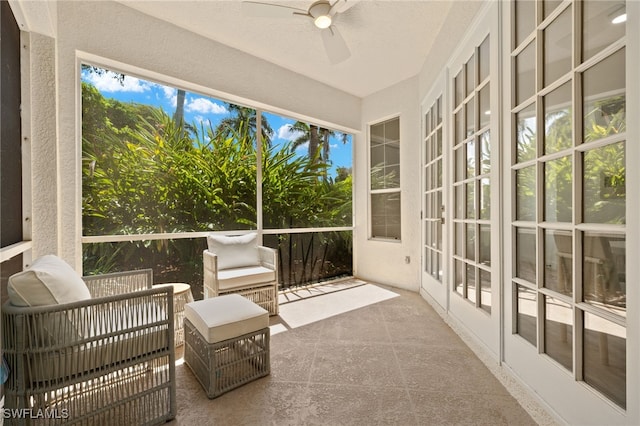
column 461, row 178
column 567, row 296
column 473, row 184
column 434, row 241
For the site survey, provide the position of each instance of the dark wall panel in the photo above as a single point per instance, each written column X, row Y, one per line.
column 10, row 135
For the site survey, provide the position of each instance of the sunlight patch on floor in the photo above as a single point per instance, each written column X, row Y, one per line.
column 303, row 292
column 312, row 309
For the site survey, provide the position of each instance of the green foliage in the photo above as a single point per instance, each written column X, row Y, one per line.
column 558, row 189
column 243, row 122
column 143, row 172
column 558, row 135
column 526, row 138
column 605, row 184
column 603, row 168
column 606, row 117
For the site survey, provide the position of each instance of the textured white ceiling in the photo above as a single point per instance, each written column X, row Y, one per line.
column 389, row 39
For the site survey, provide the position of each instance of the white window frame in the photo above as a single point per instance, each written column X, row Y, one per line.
column 437, row 289
column 581, row 403
column 371, row 192
column 93, row 60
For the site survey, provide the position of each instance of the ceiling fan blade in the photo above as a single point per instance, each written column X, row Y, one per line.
column 267, row 10
column 342, row 6
column 334, row 44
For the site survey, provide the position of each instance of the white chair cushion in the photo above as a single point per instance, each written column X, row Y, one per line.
column 236, row 251
column 48, row 281
column 225, row 317
column 244, row 277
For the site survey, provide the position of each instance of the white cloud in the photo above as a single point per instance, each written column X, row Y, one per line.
column 303, row 148
column 204, row 106
column 170, row 93
column 284, row 132
column 107, row 82
column 201, row 119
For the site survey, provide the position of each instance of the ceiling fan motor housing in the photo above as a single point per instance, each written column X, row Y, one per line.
column 319, row 11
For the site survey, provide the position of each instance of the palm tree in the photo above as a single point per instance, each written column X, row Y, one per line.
column 326, row 146
column 179, row 114
column 243, row 120
column 308, row 134
column 318, row 139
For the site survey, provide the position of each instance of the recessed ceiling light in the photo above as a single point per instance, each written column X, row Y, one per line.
column 619, row 15
column 619, row 19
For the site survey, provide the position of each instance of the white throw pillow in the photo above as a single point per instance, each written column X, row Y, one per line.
column 48, row 281
column 234, row 252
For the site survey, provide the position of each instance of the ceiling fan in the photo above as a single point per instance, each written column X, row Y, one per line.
column 322, row 12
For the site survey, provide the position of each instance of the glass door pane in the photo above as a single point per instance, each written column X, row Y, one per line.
column 433, row 207
column 472, row 153
column 569, row 193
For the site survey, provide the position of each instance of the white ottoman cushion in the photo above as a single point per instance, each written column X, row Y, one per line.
column 225, row 317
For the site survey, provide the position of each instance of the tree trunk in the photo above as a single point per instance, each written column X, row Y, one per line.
column 314, row 142
column 178, row 117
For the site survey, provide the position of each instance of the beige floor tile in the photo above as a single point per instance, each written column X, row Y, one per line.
column 349, row 363
column 367, row 355
column 359, row 405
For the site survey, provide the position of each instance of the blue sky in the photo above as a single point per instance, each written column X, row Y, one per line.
column 200, row 108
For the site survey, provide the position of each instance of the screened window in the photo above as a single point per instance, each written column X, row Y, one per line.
column 163, row 167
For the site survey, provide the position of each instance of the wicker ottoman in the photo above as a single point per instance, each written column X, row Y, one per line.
column 226, row 342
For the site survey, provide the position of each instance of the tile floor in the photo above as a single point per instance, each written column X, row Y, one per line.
column 358, row 354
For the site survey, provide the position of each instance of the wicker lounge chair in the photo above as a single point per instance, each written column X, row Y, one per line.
column 108, row 359
column 239, row 265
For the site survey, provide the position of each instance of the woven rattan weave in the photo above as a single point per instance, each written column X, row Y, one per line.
column 223, row 366
column 103, row 361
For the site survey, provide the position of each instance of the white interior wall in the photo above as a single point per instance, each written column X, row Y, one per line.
column 379, row 260
column 450, row 36
column 136, row 43
column 384, row 261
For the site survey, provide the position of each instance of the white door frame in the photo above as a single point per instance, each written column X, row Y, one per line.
column 438, row 290
column 483, row 327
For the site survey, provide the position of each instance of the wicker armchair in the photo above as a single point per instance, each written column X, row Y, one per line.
column 239, row 265
column 105, row 360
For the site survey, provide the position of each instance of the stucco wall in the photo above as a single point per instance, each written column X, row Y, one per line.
column 384, row 261
column 39, row 128
column 141, row 44
column 460, row 18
